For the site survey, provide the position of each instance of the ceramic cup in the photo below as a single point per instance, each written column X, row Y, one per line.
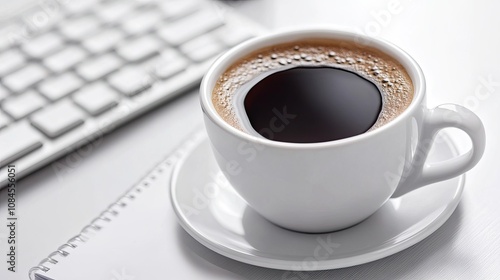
column 328, row 186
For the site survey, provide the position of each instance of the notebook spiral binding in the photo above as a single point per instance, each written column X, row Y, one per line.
column 112, row 210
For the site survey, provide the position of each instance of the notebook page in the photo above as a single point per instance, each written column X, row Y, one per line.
column 143, row 242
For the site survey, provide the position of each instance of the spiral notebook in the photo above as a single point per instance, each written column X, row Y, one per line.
column 136, row 237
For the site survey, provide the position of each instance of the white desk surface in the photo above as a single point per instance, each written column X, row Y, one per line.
column 457, row 45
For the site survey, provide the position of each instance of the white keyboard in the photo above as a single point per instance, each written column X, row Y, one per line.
column 99, row 65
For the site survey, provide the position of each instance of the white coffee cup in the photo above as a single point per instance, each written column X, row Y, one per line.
column 328, row 186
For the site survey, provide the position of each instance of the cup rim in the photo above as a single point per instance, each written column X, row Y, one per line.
column 283, row 36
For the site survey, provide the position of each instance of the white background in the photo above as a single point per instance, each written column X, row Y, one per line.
column 455, row 42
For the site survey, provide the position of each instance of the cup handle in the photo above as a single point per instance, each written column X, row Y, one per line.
column 421, row 173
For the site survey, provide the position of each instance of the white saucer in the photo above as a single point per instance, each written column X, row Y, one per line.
column 215, row 215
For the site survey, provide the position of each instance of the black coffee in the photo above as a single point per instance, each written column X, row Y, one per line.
column 312, row 104
column 312, row 90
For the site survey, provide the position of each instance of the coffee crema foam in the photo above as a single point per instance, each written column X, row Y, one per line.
column 385, row 72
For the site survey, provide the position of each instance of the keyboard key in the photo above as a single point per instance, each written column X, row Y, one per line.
column 170, row 54
column 18, row 140
column 65, row 59
column 179, row 8
column 79, row 28
column 131, row 80
column 42, row 17
column 79, row 6
column 231, row 35
column 4, row 120
column 139, row 48
column 3, row 93
column 185, row 29
column 169, row 69
column 103, row 41
column 166, row 65
column 111, row 12
column 58, row 118
column 43, row 45
column 99, row 67
column 10, row 61
column 24, row 78
column 96, row 98
column 60, row 86
column 142, row 21
column 202, row 48
column 22, row 105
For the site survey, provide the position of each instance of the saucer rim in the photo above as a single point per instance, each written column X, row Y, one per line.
column 293, row 265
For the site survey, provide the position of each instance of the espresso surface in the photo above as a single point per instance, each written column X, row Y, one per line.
column 312, row 104
column 383, row 71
